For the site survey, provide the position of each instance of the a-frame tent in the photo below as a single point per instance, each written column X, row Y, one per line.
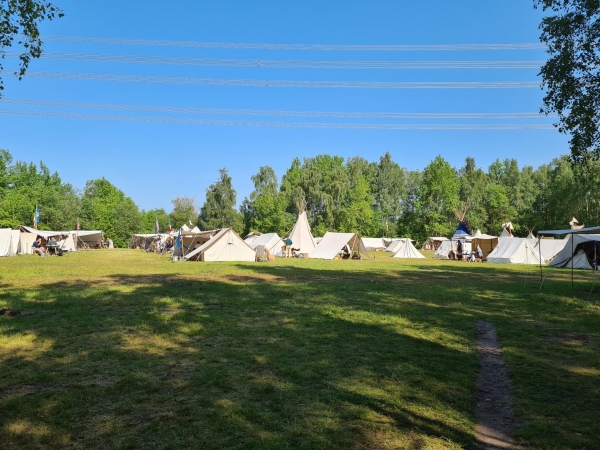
column 580, row 253
column 407, row 250
column 300, row 235
column 226, row 245
column 271, row 241
column 333, row 243
column 515, row 251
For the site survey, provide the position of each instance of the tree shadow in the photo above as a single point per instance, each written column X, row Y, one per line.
column 268, row 358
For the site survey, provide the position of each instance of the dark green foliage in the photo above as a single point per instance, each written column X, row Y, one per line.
column 378, row 199
column 570, row 75
column 219, row 210
column 19, row 19
column 107, row 208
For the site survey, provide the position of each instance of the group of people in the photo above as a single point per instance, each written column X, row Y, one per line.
column 53, row 247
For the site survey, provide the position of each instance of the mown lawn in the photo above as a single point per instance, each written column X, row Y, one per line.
column 123, row 349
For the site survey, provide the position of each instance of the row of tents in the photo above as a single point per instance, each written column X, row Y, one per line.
column 226, row 245
column 20, row 241
column 579, row 251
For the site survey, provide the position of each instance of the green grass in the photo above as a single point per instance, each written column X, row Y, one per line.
column 122, row 349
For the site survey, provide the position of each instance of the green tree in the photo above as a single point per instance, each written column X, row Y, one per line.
column 219, row 210
column 149, row 219
column 499, row 209
column 104, row 207
column 264, row 211
column 19, row 19
column 473, row 185
column 185, row 212
column 571, row 73
column 438, row 200
column 390, row 193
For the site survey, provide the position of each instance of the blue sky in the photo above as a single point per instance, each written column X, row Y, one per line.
column 156, row 162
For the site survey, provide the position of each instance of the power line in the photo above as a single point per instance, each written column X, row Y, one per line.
column 321, row 47
column 275, row 113
column 288, row 83
column 287, row 64
column 278, row 124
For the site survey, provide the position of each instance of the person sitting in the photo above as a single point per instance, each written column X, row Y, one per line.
column 54, row 247
column 198, row 244
column 37, row 247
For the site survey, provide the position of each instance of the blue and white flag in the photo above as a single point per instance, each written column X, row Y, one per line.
column 156, row 226
column 178, row 242
column 36, row 217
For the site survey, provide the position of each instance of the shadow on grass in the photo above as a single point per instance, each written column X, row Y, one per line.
column 273, row 358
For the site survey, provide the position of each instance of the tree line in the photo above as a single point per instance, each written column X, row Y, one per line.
column 377, row 199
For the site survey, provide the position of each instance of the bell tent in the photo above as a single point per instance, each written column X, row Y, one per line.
column 225, row 245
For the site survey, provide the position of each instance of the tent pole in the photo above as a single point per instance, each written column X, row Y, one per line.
column 540, row 250
column 572, row 261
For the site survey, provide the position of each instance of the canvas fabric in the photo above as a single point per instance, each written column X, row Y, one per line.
column 407, row 250
column 514, row 251
column 565, row 257
column 226, row 245
column 333, row 243
column 271, row 241
column 301, row 236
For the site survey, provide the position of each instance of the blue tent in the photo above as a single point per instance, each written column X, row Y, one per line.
column 462, row 231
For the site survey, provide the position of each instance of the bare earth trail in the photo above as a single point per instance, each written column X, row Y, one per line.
column 493, row 401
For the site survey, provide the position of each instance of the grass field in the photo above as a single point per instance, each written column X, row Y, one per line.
column 122, row 349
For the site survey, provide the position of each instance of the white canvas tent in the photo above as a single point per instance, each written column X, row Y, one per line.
column 6, row 247
column 395, row 244
column 485, row 242
column 407, row 250
column 572, row 257
column 515, row 251
column 89, row 238
column 434, row 242
column 507, row 230
column 26, row 241
column 68, row 243
column 225, row 245
column 372, row 244
column 15, row 242
column 550, row 248
column 271, row 241
column 332, row 245
column 444, row 249
column 301, row 236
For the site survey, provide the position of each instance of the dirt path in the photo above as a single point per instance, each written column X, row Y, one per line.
column 493, row 401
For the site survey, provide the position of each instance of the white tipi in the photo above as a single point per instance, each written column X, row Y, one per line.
column 300, row 235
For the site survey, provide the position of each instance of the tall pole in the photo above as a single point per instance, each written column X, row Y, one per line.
column 572, row 261
column 540, row 250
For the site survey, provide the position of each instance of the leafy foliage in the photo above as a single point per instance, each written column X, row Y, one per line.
column 571, row 75
column 19, row 19
column 219, row 210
